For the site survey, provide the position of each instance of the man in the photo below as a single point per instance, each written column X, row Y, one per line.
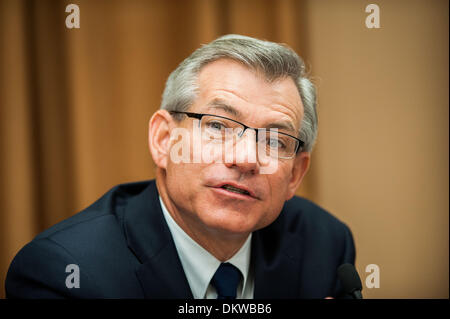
column 221, row 220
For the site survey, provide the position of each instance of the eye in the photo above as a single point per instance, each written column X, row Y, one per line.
column 215, row 125
column 275, row 143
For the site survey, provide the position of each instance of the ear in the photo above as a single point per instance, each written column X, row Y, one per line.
column 299, row 169
column 159, row 137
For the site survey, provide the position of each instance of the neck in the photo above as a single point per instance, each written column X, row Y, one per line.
column 218, row 243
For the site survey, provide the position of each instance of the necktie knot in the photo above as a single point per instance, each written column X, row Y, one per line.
column 226, row 280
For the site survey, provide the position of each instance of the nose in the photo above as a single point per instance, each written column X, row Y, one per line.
column 244, row 153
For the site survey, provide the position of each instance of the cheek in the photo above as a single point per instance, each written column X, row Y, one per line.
column 185, row 182
column 178, row 180
column 279, row 186
column 279, row 182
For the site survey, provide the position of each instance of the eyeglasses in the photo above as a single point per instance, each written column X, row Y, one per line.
column 222, row 129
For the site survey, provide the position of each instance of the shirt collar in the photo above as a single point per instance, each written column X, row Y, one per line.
column 198, row 264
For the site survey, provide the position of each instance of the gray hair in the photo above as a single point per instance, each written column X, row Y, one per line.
column 274, row 60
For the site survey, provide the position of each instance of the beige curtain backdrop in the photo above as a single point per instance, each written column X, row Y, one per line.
column 75, row 103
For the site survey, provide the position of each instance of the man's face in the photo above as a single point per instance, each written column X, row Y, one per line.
column 196, row 189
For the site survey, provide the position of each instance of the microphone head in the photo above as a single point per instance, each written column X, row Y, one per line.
column 349, row 278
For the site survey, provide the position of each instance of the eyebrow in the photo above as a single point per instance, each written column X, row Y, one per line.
column 224, row 106
column 288, row 126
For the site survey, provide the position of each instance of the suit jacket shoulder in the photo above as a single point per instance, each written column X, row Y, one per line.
column 94, row 241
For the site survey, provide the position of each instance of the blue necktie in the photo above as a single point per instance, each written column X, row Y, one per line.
column 226, row 280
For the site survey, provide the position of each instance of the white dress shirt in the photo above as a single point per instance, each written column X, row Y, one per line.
column 200, row 266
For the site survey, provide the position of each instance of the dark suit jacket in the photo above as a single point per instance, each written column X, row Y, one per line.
column 124, row 249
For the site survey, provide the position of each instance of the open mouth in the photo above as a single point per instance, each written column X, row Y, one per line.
column 235, row 190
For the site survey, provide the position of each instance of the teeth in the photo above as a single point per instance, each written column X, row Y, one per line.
column 235, row 190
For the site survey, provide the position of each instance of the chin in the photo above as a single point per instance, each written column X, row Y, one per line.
column 230, row 222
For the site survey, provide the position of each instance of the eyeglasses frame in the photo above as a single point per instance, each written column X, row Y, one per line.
column 199, row 116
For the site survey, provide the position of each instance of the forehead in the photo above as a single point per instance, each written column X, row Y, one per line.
column 248, row 92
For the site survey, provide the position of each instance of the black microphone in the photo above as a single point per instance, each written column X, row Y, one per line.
column 350, row 280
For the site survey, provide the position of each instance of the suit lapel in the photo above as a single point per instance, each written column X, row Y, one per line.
column 162, row 278
column 161, row 274
column 274, row 261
